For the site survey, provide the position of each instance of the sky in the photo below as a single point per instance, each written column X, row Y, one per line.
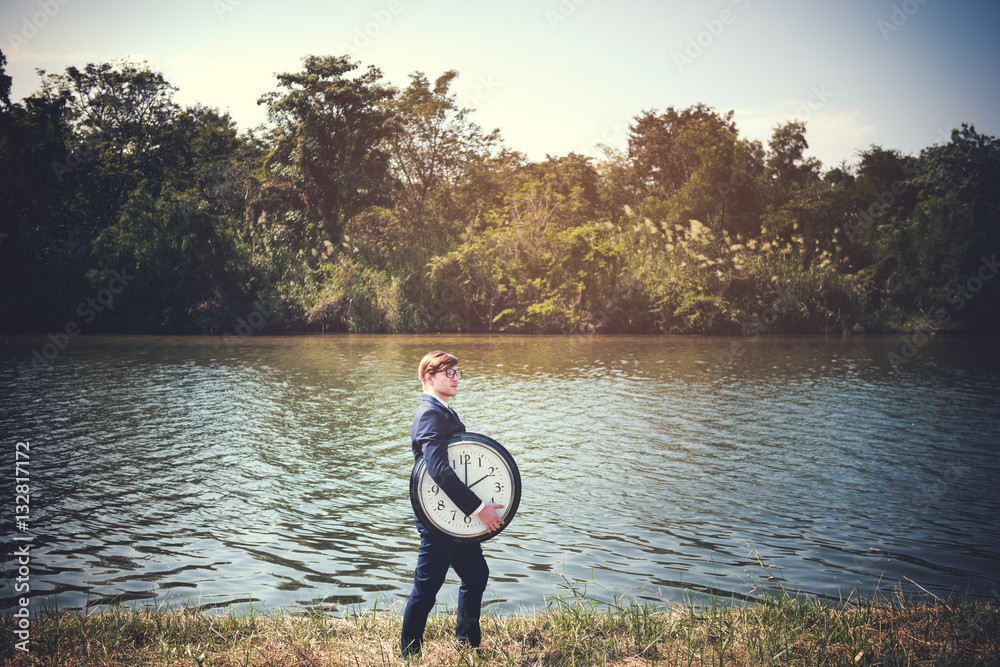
column 560, row 76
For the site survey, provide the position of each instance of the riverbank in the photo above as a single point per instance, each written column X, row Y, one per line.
column 576, row 630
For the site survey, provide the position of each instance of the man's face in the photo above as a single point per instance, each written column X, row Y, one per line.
column 442, row 384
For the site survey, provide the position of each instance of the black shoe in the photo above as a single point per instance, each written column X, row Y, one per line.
column 410, row 650
column 464, row 647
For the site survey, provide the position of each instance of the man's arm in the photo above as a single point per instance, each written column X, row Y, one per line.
column 430, row 434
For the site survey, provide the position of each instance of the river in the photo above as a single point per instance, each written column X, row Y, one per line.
column 273, row 471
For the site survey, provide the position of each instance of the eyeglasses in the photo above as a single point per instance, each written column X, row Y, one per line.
column 452, row 373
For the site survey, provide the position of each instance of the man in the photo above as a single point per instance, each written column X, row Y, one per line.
column 433, row 425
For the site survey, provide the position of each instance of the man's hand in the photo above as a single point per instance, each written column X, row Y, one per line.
column 489, row 517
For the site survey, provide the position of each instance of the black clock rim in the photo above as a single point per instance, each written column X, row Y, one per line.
column 515, row 497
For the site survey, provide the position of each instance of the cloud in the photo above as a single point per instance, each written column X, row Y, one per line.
column 833, row 136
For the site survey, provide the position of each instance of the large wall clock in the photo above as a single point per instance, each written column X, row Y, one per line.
column 487, row 469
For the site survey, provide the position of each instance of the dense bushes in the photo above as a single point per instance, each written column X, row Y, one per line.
column 365, row 208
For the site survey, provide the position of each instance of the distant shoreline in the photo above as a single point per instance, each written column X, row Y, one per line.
column 313, row 331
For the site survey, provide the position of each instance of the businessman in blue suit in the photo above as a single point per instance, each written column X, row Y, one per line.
column 433, row 425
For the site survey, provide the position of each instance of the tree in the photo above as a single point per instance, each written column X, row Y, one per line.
column 708, row 148
column 43, row 245
column 328, row 160
column 799, row 203
column 787, row 165
column 559, row 192
column 694, row 166
column 618, row 184
column 434, row 145
column 120, row 113
column 5, row 82
column 943, row 251
column 181, row 265
column 210, row 156
column 882, row 198
column 662, row 159
column 744, row 194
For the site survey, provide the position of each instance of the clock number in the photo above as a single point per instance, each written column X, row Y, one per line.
column 468, row 519
column 435, row 489
column 440, row 505
column 499, row 487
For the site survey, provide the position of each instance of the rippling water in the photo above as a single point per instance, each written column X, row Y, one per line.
column 275, row 469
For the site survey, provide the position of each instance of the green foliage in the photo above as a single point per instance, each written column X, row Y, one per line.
column 346, row 295
column 5, row 82
column 931, row 230
column 703, row 282
column 45, row 245
column 433, row 147
column 661, row 144
column 526, row 268
column 104, row 172
column 183, row 262
column 366, row 208
column 121, row 113
column 327, row 161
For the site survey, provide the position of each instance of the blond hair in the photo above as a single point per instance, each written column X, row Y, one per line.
column 435, row 362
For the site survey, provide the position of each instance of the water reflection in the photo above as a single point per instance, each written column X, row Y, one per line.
column 275, row 470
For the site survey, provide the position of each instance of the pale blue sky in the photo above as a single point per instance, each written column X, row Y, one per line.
column 561, row 75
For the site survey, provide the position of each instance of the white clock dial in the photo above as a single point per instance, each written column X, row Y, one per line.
column 489, row 472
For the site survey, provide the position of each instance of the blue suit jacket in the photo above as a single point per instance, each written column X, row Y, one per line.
column 432, row 427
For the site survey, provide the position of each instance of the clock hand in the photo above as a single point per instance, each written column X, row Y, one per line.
column 466, row 470
column 478, row 481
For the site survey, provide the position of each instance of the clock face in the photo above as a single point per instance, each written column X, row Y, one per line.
column 487, row 469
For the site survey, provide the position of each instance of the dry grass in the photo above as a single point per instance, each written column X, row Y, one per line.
column 577, row 631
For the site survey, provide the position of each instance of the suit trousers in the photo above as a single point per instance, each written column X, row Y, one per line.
column 435, row 557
